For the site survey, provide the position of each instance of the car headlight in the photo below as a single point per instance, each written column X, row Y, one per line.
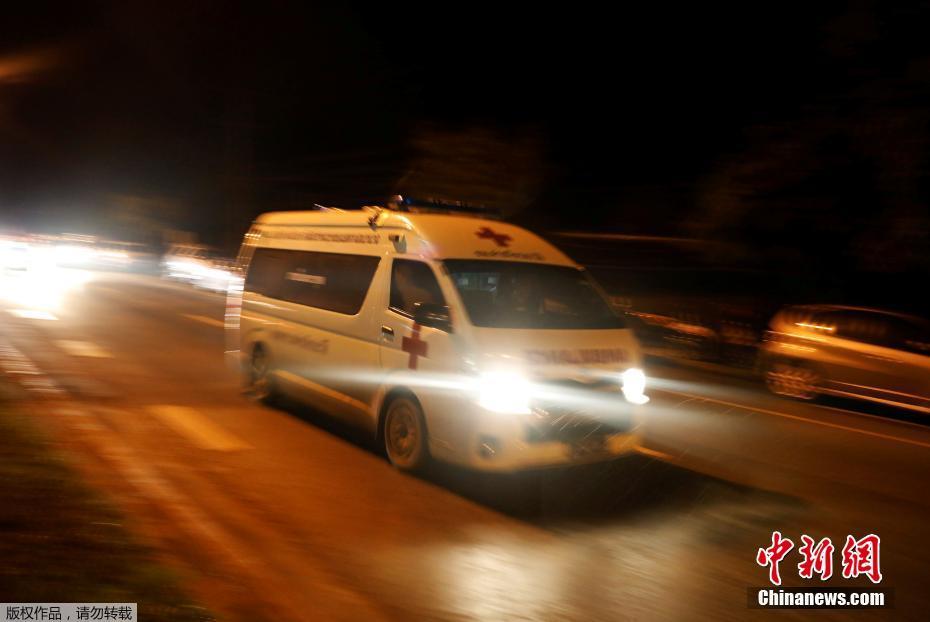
column 634, row 386
column 504, row 392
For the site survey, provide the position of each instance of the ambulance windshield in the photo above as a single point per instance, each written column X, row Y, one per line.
column 507, row 294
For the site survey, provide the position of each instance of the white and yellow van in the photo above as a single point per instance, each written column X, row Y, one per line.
column 452, row 337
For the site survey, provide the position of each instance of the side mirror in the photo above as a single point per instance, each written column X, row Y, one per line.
column 432, row 315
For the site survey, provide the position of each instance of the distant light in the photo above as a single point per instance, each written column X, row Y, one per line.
column 33, row 314
column 117, row 255
column 40, row 288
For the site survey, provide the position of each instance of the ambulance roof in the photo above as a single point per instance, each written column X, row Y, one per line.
column 441, row 236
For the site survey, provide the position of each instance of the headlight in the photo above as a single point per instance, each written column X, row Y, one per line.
column 634, row 386
column 504, row 392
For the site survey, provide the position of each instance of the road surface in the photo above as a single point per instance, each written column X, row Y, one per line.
column 282, row 514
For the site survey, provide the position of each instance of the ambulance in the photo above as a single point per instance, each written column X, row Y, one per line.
column 448, row 335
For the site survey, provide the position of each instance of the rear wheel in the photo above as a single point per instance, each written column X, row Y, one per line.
column 793, row 380
column 260, row 383
column 404, row 435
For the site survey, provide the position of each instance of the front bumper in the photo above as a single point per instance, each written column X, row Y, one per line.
column 520, row 456
column 506, row 443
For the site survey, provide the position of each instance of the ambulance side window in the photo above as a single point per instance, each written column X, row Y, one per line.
column 332, row 281
column 266, row 272
column 413, row 282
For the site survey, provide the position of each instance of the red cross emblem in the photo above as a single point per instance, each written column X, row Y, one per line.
column 501, row 239
column 415, row 346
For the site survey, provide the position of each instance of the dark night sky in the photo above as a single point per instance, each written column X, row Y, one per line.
column 214, row 104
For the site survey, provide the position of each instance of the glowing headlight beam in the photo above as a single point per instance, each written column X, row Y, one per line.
column 501, row 392
column 504, row 392
column 634, row 386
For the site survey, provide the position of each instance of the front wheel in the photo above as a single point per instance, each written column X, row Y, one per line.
column 404, row 435
column 793, row 380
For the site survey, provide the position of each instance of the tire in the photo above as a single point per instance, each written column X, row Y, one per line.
column 794, row 380
column 260, row 384
column 404, row 435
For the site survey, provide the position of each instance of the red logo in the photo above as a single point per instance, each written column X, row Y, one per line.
column 501, row 239
column 817, row 558
column 415, row 346
column 772, row 555
column 861, row 557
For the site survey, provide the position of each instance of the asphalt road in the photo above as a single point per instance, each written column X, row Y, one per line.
column 283, row 514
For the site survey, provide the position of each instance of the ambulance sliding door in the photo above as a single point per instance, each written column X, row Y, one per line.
column 324, row 344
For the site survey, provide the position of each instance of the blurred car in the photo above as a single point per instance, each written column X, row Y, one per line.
column 683, row 299
column 123, row 256
column 181, row 261
column 215, row 275
column 853, row 352
column 712, row 315
column 197, row 265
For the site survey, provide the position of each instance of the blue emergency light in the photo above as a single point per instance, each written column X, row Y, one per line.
column 434, row 206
